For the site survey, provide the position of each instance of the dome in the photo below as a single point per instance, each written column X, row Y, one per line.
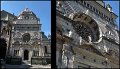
column 44, row 37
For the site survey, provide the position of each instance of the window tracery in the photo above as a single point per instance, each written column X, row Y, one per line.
column 26, row 37
column 35, row 53
column 83, row 30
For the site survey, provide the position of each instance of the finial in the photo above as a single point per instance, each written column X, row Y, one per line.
column 26, row 9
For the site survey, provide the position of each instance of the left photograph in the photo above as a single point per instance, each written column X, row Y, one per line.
column 25, row 34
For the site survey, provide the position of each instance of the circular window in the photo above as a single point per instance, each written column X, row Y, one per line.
column 26, row 17
column 26, row 37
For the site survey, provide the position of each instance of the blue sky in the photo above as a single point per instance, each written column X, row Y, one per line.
column 41, row 8
column 115, row 8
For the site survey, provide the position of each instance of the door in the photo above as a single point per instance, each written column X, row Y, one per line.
column 26, row 54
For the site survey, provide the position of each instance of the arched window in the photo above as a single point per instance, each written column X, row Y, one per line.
column 35, row 53
column 16, row 52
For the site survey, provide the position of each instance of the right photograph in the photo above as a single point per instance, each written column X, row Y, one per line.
column 87, row 34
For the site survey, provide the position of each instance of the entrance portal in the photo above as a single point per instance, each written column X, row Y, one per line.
column 26, row 54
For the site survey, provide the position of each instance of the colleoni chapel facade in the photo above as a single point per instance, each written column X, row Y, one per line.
column 86, row 35
column 24, row 36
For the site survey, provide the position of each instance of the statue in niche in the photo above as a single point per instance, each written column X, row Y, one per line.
column 80, row 40
column 90, row 39
column 70, row 33
column 67, row 56
column 59, row 5
column 64, row 60
column 71, row 15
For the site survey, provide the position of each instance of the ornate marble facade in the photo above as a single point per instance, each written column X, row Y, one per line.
column 86, row 36
column 27, row 39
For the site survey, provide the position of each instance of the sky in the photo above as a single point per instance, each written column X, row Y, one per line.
column 115, row 8
column 42, row 9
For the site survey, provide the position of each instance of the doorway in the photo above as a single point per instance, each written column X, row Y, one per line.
column 26, row 54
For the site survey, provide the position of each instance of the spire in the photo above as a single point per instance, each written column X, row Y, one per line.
column 49, row 36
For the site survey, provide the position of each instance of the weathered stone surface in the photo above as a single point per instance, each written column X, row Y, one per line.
column 95, row 41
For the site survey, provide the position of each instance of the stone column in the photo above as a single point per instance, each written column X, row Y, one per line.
column 12, row 51
column 30, row 54
column 42, row 49
column 80, row 38
column 40, row 52
column 58, row 59
column 20, row 52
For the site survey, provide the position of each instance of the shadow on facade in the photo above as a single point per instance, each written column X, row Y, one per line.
column 3, row 47
column 23, row 65
column 16, row 62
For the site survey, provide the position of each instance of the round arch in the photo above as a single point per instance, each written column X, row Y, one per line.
column 85, row 25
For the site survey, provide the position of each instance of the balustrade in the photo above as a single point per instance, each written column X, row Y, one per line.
column 70, row 7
